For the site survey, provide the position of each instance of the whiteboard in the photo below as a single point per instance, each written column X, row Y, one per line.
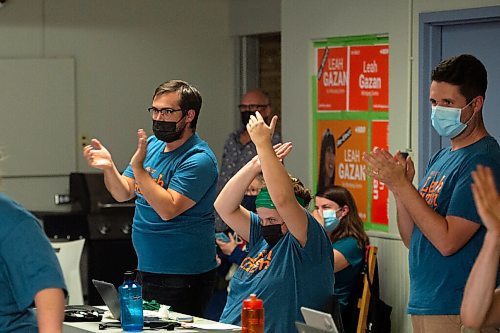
column 37, row 117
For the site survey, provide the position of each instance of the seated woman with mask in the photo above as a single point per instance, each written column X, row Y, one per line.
column 336, row 210
column 290, row 262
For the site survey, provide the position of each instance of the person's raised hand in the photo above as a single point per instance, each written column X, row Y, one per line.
column 137, row 160
column 258, row 130
column 486, row 198
column 97, row 155
column 281, row 149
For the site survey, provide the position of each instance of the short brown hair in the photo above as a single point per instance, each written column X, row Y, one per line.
column 464, row 71
column 190, row 97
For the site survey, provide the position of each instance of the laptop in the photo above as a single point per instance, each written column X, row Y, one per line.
column 303, row 328
column 319, row 320
column 110, row 296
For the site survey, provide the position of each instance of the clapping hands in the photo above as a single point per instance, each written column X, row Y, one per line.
column 97, row 155
column 389, row 169
column 137, row 160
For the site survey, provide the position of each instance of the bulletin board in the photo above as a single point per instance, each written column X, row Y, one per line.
column 350, row 89
column 37, row 117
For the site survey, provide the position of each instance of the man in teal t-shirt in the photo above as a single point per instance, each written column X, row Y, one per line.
column 439, row 222
column 173, row 176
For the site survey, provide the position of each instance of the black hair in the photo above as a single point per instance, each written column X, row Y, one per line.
column 328, row 142
column 464, row 71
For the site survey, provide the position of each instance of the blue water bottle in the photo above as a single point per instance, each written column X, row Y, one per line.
column 131, row 316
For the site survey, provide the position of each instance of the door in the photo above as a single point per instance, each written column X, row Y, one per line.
column 445, row 34
column 480, row 40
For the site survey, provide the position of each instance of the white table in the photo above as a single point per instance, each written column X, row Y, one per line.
column 93, row 327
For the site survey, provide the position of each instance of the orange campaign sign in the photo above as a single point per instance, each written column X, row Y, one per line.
column 342, row 164
column 380, row 193
column 369, row 76
column 332, row 78
column 351, row 85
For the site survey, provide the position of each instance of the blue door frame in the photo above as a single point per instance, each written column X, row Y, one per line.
column 429, row 56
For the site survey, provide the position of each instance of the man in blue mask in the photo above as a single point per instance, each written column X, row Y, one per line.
column 439, row 222
column 173, row 175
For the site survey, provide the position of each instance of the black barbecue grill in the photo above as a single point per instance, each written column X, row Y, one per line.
column 105, row 224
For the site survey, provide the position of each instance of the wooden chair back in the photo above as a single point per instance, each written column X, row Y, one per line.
column 364, row 301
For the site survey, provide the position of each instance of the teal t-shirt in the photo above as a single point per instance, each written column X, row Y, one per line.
column 437, row 282
column 286, row 277
column 346, row 278
column 28, row 264
column 184, row 244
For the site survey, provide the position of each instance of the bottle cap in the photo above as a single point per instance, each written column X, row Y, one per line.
column 253, row 303
column 129, row 275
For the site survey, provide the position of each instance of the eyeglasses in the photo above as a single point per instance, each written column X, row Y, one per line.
column 163, row 112
column 252, row 107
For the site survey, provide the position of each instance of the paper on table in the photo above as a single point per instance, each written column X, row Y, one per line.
column 212, row 326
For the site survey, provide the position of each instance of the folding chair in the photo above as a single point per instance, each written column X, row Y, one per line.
column 69, row 255
column 364, row 301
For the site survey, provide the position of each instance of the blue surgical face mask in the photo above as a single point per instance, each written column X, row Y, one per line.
column 446, row 120
column 331, row 219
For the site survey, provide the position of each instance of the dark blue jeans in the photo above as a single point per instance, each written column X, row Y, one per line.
column 188, row 294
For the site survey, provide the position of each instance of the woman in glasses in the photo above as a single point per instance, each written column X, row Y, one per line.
column 336, row 210
column 290, row 262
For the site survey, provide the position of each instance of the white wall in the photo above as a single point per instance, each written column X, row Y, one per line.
column 304, row 21
column 123, row 49
column 254, row 17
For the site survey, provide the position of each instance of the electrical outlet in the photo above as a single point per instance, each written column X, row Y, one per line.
column 84, row 140
column 62, row 199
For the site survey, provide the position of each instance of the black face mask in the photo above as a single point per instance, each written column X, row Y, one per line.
column 271, row 233
column 249, row 202
column 167, row 130
column 245, row 117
